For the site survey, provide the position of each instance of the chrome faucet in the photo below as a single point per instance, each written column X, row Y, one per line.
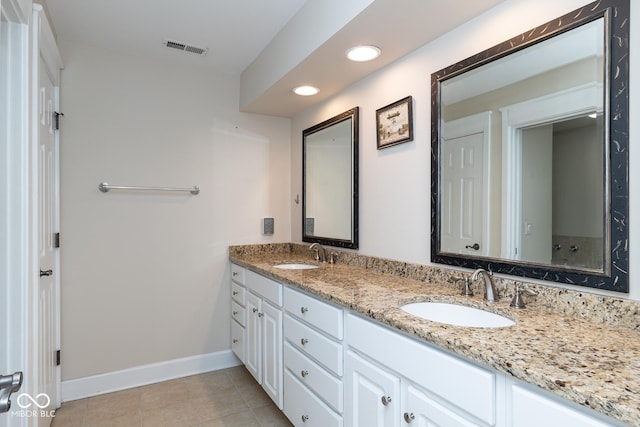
column 321, row 253
column 490, row 293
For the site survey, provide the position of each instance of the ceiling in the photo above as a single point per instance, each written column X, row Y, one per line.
column 272, row 45
column 233, row 36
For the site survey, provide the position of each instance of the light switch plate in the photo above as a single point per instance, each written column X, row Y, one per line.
column 268, row 226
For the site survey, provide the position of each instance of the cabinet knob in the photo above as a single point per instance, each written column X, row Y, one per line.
column 303, row 341
column 386, row 400
column 234, row 293
column 305, row 418
column 255, row 310
column 235, row 340
column 303, row 310
column 408, row 417
column 235, row 313
column 235, row 273
column 260, row 314
column 304, row 373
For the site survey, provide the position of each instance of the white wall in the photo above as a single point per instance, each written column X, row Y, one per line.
column 395, row 182
column 144, row 275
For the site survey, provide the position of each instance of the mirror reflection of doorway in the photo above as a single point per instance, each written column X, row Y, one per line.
column 563, row 170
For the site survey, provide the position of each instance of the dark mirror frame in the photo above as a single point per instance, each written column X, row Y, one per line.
column 352, row 114
column 615, row 276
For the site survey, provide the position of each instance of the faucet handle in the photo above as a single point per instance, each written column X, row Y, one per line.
column 332, row 257
column 466, row 286
column 518, row 301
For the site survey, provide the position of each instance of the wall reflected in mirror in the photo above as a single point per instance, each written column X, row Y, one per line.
column 330, row 171
column 522, row 140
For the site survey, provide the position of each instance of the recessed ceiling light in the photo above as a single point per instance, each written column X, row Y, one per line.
column 305, row 90
column 363, row 53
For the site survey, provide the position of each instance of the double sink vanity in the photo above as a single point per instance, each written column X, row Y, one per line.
column 337, row 345
column 529, row 178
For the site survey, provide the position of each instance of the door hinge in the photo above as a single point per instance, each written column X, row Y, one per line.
column 56, row 120
column 58, row 358
column 56, row 240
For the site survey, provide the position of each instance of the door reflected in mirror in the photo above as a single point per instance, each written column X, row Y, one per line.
column 526, row 152
column 330, row 181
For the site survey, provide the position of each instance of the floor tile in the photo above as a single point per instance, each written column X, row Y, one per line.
column 225, row 398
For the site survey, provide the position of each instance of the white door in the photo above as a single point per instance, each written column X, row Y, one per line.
column 372, row 395
column 462, row 195
column 536, row 237
column 13, row 221
column 46, row 325
column 422, row 411
column 254, row 337
column 272, row 354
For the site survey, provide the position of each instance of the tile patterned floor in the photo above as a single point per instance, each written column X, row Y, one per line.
column 225, row 398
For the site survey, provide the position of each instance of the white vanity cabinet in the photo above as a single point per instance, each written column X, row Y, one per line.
column 391, row 380
column 262, row 314
column 325, row 366
column 313, row 360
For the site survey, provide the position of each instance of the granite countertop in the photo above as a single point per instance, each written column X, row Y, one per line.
column 594, row 364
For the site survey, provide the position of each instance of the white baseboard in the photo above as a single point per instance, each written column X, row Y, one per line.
column 80, row 388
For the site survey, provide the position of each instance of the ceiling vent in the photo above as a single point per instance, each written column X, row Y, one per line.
column 189, row 48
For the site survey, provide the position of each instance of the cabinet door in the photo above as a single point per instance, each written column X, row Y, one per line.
column 272, row 352
column 372, row 394
column 253, row 350
column 422, row 411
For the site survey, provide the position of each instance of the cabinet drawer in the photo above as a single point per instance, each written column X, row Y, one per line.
column 238, row 340
column 467, row 386
column 238, row 293
column 265, row 287
column 237, row 274
column 303, row 408
column 238, row 313
column 323, row 316
column 530, row 408
column 314, row 344
column 314, row 376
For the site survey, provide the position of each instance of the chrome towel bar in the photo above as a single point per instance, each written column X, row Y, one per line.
column 104, row 187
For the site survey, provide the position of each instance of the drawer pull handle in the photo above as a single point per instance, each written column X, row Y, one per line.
column 305, row 418
column 255, row 310
column 408, row 417
column 235, row 292
column 304, row 341
column 303, row 310
column 235, row 340
column 304, row 373
column 386, row 400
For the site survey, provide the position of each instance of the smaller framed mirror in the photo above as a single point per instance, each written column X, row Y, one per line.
column 330, row 181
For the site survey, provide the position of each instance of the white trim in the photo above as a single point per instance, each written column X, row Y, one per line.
column 565, row 104
column 469, row 125
column 80, row 388
column 16, row 10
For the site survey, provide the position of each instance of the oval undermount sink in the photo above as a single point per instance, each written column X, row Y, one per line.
column 457, row 315
column 296, row 266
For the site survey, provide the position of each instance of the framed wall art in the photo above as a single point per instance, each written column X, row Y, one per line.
column 395, row 123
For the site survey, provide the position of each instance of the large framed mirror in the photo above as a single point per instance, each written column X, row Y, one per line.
column 330, row 181
column 530, row 153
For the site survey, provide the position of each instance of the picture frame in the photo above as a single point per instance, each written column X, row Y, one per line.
column 394, row 123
